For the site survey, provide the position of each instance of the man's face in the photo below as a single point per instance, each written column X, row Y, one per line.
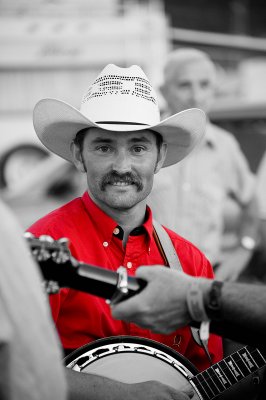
column 191, row 85
column 120, row 166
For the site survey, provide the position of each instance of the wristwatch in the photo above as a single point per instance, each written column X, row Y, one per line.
column 214, row 302
column 248, row 243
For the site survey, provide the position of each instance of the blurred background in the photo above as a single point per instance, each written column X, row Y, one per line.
column 55, row 48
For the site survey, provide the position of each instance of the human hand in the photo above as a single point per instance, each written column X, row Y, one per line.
column 161, row 305
column 154, row 390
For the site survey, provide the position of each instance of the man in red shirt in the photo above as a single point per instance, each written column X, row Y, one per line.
column 119, row 142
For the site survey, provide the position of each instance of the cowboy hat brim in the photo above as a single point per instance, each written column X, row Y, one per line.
column 57, row 123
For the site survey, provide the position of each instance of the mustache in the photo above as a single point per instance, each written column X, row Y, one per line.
column 130, row 178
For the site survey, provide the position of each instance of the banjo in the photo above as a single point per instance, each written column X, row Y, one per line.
column 132, row 359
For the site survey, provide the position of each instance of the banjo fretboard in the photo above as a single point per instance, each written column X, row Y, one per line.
column 232, row 369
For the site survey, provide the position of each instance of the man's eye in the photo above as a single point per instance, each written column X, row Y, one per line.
column 205, row 84
column 183, row 85
column 103, row 149
column 138, row 149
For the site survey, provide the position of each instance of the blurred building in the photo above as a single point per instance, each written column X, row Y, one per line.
column 233, row 32
column 52, row 48
column 55, row 48
column 236, row 17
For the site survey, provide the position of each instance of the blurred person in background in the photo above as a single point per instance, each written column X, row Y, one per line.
column 261, row 193
column 256, row 270
column 196, row 198
column 118, row 141
column 30, row 352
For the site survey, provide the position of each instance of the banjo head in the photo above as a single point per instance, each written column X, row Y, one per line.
column 132, row 359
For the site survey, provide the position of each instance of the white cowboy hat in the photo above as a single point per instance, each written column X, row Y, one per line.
column 120, row 99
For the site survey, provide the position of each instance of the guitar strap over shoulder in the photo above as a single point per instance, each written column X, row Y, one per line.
column 171, row 259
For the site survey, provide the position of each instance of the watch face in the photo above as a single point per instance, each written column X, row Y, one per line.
column 213, row 307
column 248, row 242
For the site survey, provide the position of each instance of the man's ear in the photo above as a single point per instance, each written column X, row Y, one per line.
column 161, row 157
column 77, row 157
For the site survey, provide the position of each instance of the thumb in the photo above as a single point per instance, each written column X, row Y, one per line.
column 186, row 393
column 189, row 393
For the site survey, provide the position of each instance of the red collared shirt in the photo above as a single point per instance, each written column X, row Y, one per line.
column 95, row 239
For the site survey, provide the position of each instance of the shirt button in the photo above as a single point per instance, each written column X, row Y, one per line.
column 129, row 264
column 105, row 244
column 116, row 231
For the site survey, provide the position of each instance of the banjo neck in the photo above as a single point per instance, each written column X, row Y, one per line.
column 227, row 372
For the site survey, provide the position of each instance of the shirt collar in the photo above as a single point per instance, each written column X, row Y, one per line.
column 210, row 138
column 106, row 225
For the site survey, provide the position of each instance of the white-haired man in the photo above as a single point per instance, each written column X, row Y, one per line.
column 213, row 189
column 261, row 193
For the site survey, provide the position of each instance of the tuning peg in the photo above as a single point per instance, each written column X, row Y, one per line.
column 43, row 252
column 28, row 235
column 51, row 287
column 64, row 241
column 62, row 254
column 46, row 238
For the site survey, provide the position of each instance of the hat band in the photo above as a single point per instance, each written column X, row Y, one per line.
column 118, row 123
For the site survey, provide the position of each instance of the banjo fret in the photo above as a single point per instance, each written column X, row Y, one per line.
column 203, row 387
column 245, row 371
column 211, row 382
column 215, row 379
column 234, row 368
column 224, row 364
column 257, row 356
column 248, row 359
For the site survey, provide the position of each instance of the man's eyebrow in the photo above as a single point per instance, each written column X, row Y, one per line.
column 143, row 139
column 102, row 140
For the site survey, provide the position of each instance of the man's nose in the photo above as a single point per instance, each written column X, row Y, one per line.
column 122, row 162
column 196, row 94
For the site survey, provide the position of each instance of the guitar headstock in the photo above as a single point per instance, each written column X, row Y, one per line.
column 45, row 247
column 50, row 254
column 60, row 269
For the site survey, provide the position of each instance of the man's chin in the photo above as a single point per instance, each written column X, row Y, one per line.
column 124, row 203
column 123, row 200
column 113, row 191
